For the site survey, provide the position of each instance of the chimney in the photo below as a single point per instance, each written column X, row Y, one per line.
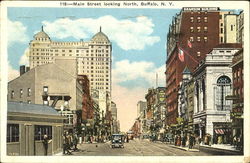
column 27, row 69
column 22, row 70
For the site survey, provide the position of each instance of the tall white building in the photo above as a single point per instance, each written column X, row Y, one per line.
column 93, row 59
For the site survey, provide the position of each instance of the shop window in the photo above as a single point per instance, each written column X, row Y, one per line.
column 12, row 132
column 40, row 131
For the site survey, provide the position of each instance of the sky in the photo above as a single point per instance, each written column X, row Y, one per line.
column 138, row 39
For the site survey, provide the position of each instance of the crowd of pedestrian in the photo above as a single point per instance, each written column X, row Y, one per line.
column 70, row 141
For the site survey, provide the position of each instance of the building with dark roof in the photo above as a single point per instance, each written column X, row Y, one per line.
column 26, row 126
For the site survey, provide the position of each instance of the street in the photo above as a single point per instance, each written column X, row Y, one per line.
column 134, row 148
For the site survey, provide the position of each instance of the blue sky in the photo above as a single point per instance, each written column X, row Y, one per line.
column 138, row 39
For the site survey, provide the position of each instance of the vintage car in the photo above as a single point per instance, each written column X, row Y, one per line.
column 117, row 140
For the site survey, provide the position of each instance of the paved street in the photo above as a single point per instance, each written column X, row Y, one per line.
column 134, row 148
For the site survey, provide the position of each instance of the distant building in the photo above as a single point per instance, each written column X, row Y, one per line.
column 141, row 105
column 26, row 126
column 93, row 58
column 114, row 118
column 52, row 85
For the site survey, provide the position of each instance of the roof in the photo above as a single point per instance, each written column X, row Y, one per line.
column 41, row 34
column 186, row 71
column 20, row 107
column 229, row 45
column 100, row 37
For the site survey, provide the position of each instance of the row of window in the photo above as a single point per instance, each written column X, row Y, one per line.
column 70, row 50
column 238, row 75
column 95, row 71
column 13, row 132
column 20, row 93
column 198, row 29
column 97, row 63
column 56, row 54
column 95, row 67
column 198, row 19
column 198, row 39
column 238, row 91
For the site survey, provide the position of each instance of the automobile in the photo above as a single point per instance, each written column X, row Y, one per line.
column 117, row 140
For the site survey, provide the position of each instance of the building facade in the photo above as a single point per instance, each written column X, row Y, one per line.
column 26, row 126
column 48, row 84
column 212, row 84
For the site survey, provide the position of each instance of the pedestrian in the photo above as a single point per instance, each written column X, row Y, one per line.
column 68, row 143
column 191, row 141
column 75, row 141
column 46, row 142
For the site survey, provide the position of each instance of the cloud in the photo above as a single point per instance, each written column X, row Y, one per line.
column 12, row 73
column 128, row 34
column 127, row 98
column 24, row 60
column 16, row 32
column 125, row 70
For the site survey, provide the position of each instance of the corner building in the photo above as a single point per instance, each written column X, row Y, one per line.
column 201, row 27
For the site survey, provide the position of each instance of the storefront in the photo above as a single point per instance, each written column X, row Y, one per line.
column 222, row 133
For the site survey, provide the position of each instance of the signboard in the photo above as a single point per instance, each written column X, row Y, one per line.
column 200, row 8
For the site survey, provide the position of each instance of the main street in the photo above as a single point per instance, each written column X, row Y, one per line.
column 135, row 148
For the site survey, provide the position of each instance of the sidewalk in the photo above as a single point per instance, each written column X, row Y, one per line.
column 185, row 148
column 221, row 146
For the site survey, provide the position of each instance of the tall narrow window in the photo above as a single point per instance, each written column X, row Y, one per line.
column 12, row 132
column 45, row 89
column 21, row 93
column 198, row 29
column 223, row 88
column 191, row 29
column 205, row 39
column 205, row 19
column 12, row 94
column 191, row 19
column 29, row 92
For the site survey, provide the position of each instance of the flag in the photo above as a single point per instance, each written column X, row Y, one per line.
column 189, row 44
column 181, row 55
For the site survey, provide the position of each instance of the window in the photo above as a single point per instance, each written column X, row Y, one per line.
column 221, row 30
column 198, row 29
column 222, row 89
column 198, row 39
column 198, row 19
column 77, row 51
column 198, row 54
column 21, row 93
column 29, row 102
column 12, row 94
column 232, row 27
column 205, row 19
column 205, row 39
column 191, row 29
column 191, row 39
column 191, row 19
column 45, row 89
column 221, row 39
column 40, row 131
column 63, row 50
column 205, row 29
column 29, row 92
column 12, row 132
column 221, row 24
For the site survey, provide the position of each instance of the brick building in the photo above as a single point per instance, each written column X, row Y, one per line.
column 199, row 27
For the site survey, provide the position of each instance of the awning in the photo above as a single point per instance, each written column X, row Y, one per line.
column 222, row 131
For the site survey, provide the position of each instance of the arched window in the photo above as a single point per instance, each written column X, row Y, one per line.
column 223, row 88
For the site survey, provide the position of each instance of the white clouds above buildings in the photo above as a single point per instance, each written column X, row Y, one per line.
column 16, row 32
column 125, row 70
column 125, row 97
column 12, row 73
column 24, row 60
column 128, row 34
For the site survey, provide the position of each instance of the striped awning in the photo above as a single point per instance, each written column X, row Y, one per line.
column 221, row 131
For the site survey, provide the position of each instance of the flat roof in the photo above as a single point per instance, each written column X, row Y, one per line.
column 20, row 107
